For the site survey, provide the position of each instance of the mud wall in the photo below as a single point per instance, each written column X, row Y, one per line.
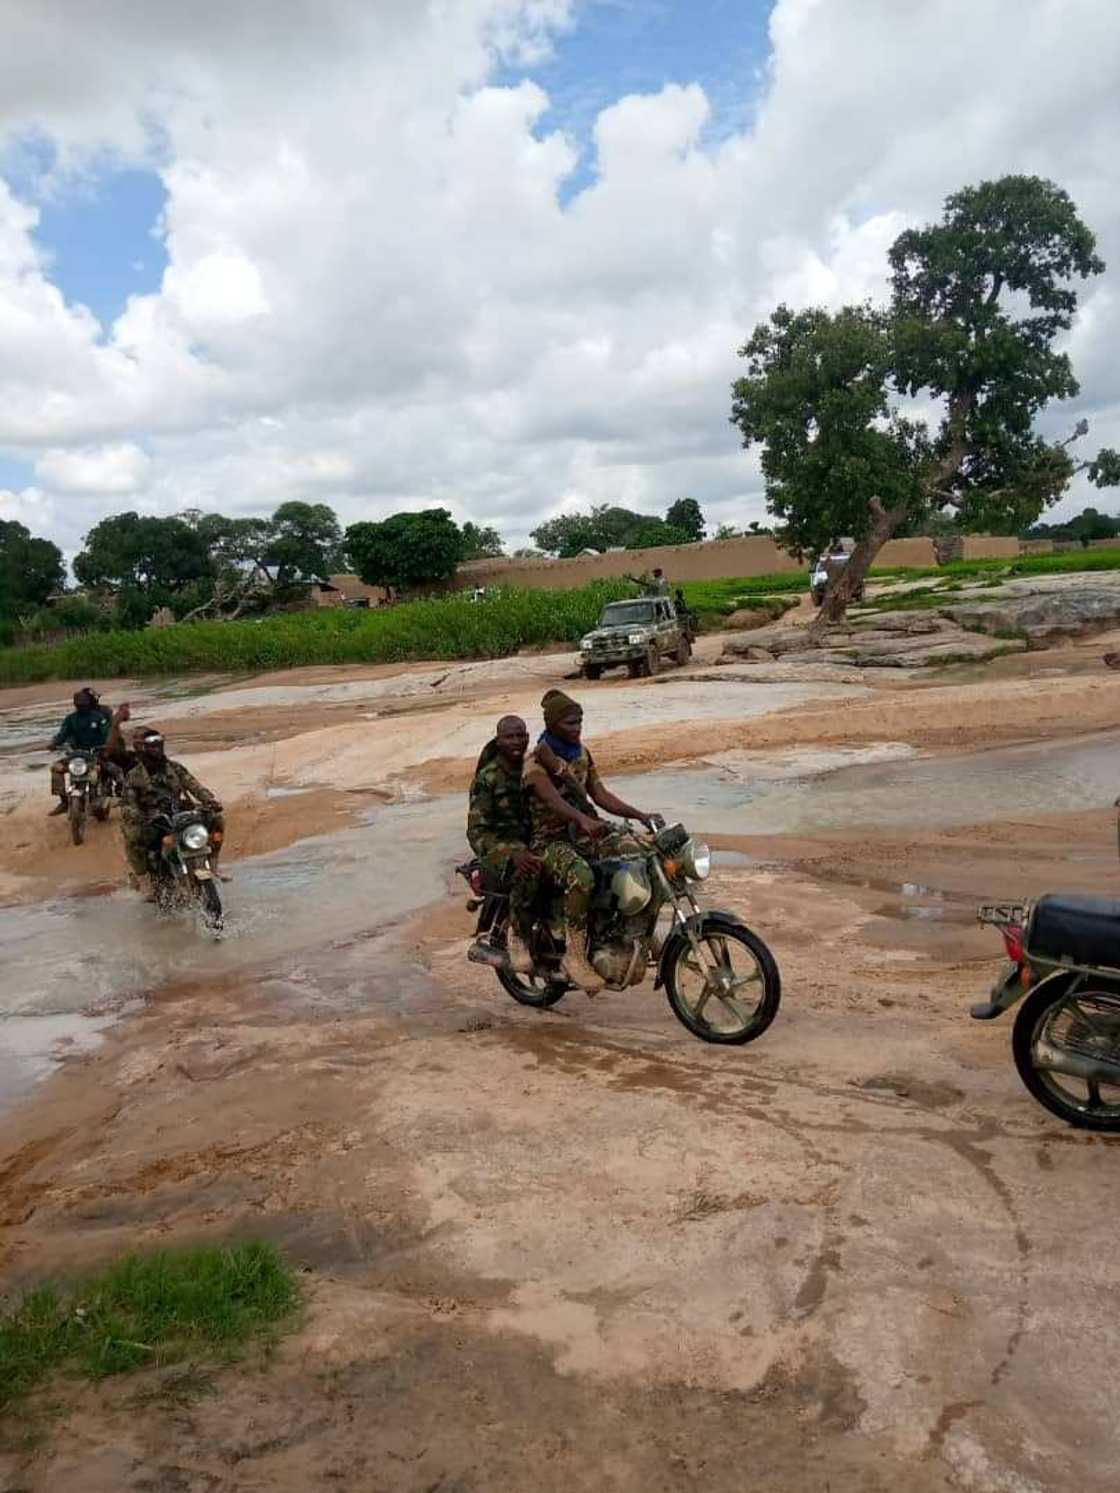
column 990, row 547
column 909, row 552
column 711, row 560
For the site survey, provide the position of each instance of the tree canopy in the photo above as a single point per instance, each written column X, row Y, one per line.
column 30, row 569
column 481, row 542
column 305, row 543
column 685, row 514
column 406, row 550
column 838, row 400
column 608, row 526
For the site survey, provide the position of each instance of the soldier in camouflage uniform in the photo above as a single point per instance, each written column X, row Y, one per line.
column 155, row 786
column 563, row 787
column 497, row 828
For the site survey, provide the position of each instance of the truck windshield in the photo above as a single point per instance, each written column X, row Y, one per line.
column 626, row 613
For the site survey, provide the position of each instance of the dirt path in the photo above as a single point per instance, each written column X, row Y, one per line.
column 579, row 1249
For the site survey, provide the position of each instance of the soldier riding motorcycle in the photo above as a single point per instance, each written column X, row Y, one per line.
column 597, row 916
column 85, row 780
column 173, row 831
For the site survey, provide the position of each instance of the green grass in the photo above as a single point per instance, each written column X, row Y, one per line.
column 445, row 628
column 145, row 1311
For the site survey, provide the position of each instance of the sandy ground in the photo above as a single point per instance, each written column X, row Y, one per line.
column 579, row 1249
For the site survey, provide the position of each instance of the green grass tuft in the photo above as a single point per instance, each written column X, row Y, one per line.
column 145, row 1311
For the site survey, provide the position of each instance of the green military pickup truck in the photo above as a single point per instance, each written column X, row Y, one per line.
column 638, row 634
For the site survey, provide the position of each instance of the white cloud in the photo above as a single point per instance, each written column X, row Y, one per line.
column 100, row 471
column 375, row 297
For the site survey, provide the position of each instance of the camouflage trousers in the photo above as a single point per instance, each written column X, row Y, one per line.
column 524, row 888
column 573, row 878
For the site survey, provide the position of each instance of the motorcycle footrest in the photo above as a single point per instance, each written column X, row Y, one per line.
column 985, row 1011
column 482, row 953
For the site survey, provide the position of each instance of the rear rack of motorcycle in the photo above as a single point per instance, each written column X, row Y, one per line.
column 1004, row 914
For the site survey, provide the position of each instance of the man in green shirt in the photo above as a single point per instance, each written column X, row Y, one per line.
column 90, row 727
column 497, row 829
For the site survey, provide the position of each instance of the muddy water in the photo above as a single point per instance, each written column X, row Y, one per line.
column 293, row 915
column 738, row 794
column 70, row 964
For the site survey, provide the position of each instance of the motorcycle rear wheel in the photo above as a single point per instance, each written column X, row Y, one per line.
column 744, row 955
column 1083, row 1023
column 539, row 991
column 77, row 820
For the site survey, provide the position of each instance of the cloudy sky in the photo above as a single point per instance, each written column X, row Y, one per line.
column 490, row 254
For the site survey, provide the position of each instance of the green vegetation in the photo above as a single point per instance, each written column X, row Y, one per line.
column 978, row 313
column 445, row 628
column 146, row 1311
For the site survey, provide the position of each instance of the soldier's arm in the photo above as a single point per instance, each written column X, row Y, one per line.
column 132, row 810
column 190, row 784
column 61, row 736
column 482, row 834
column 599, row 793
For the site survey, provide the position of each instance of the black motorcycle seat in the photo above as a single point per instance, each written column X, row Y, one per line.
column 1076, row 930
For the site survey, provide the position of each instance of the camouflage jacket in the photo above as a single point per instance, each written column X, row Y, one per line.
column 148, row 792
column 496, row 821
column 574, row 781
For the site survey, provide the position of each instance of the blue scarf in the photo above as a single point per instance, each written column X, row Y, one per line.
column 567, row 751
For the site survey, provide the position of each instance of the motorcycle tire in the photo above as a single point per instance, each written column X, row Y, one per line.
column 1037, row 1012
column 768, row 977
column 528, row 990
column 77, row 820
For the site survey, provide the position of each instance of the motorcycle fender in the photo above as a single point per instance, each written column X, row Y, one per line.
column 715, row 917
column 203, row 873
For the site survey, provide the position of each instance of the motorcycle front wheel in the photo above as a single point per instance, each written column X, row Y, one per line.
column 210, row 901
column 77, row 819
column 730, row 997
column 1065, row 1041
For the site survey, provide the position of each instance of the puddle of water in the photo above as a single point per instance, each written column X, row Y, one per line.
column 279, row 791
column 933, row 792
column 69, row 956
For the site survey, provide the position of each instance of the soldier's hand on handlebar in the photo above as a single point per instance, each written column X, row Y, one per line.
column 526, row 862
column 654, row 822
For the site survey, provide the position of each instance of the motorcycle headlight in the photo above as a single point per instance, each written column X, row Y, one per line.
column 635, row 638
column 78, row 767
column 196, row 837
column 696, row 859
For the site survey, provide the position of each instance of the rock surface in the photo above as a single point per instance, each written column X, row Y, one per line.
column 1042, row 617
column 891, row 640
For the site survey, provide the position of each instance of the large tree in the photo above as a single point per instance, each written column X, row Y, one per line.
column 606, row 527
column 150, row 556
column 841, row 402
column 305, row 543
column 481, row 542
column 30, row 569
column 407, row 550
column 686, row 514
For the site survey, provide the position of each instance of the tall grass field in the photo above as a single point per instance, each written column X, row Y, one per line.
column 446, row 628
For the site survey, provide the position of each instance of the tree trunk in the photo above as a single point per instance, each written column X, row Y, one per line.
column 842, row 588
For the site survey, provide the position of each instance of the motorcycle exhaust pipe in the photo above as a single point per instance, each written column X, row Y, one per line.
column 1058, row 1060
column 480, row 953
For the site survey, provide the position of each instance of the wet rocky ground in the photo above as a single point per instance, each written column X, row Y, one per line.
column 580, row 1249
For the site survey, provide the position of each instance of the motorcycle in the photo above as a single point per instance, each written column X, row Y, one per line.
column 1064, row 954
column 88, row 790
column 180, row 866
column 721, row 980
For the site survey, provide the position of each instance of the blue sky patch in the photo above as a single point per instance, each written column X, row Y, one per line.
column 99, row 237
column 620, row 47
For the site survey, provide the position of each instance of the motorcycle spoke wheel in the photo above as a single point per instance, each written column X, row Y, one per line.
column 731, row 992
column 1058, row 1031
